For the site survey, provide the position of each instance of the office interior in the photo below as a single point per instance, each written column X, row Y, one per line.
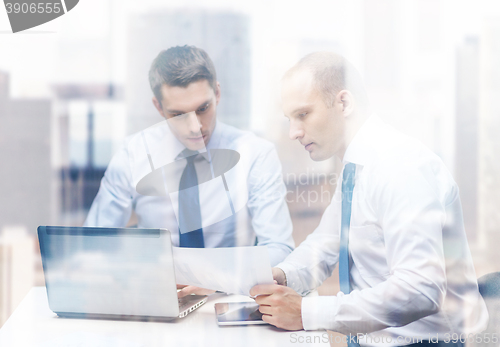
column 72, row 90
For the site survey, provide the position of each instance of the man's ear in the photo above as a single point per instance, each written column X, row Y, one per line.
column 158, row 106
column 217, row 94
column 346, row 99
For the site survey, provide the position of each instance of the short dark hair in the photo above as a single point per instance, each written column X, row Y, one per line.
column 180, row 66
column 333, row 73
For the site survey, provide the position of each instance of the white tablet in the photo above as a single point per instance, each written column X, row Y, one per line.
column 238, row 313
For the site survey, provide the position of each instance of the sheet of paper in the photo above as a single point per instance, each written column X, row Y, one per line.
column 232, row 270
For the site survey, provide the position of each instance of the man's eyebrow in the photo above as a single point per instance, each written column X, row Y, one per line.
column 301, row 109
column 204, row 104
column 182, row 112
column 176, row 112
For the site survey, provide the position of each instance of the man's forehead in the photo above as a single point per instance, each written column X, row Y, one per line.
column 298, row 82
column 299, row 76
column 298, row 90
column 186, row 98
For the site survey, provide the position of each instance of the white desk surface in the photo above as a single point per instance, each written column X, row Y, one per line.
column 33, row 324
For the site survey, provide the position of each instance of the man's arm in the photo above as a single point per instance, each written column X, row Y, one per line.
column 267, row 205
column 112, row 205
column 412, row 221
column 302, row 271
column 314, row 260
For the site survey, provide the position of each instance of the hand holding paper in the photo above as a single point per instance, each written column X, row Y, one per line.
column 232, row 270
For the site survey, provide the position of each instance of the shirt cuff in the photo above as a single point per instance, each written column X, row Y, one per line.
column 292, row 277
column 318, row 312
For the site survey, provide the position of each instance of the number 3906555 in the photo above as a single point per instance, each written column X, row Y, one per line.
column 48, row 7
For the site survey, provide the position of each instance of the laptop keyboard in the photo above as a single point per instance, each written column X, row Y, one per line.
column 189, row 303
column 183, row 303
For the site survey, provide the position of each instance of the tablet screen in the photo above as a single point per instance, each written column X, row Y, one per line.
column 238, row 313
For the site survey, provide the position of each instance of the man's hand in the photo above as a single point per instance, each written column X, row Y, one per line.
column 279, row 305
column 188, row 290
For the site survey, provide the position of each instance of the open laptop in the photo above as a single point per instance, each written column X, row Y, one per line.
column 112, row 273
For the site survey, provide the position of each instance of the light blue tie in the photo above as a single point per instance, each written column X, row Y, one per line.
column 344, row 279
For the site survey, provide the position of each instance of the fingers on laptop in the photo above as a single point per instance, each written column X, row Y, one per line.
column 188, row 290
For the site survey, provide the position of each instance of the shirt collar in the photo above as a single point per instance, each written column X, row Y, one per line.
column 362, row 149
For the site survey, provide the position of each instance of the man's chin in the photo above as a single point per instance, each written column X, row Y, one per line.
column 313, row 158
column 193, row 147
column 316, row 156
column 197, row 145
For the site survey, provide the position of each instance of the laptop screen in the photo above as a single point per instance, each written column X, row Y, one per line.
column 109, row 271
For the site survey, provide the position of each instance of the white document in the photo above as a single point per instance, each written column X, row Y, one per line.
column 233, row 270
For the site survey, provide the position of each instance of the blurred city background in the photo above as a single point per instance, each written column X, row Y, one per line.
column 73, row 89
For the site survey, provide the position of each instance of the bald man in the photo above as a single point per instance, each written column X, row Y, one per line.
column 394, row 226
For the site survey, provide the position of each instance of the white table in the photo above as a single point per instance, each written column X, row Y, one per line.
column 33, row 324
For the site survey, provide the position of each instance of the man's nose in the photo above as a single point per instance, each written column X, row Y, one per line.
column 295, row 132
column 194, row 123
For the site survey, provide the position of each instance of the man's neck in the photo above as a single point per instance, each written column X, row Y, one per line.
column 352, row 126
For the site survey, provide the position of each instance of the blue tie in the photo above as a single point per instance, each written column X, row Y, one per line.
column 344, row 280
column 189, row 207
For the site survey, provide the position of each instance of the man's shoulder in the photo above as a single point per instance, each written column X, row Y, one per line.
column 403, row 158
column 389, row 146
column 122, row 153
column 123, row 158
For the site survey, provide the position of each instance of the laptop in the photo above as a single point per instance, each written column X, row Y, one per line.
column 112, row 273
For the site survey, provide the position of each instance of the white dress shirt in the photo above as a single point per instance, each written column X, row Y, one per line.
column 412, row 273
column 257, row 190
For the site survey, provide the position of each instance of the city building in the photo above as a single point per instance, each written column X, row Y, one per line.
column 90, row 128
column 466, row 132
column 17, row 268
column 25, row 155
column 489, row 141
column 223, row 35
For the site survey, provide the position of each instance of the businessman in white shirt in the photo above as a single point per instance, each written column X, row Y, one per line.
column 394, row 226
column 229, row 208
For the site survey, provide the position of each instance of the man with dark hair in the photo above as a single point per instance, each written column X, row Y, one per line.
column 242, row 205
column 179, row 67
column 394, row 226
